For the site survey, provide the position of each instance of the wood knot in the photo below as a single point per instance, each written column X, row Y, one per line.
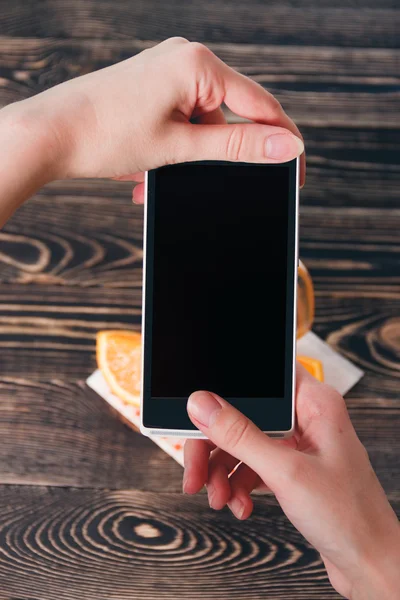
column 146, row 530
column 389, row 335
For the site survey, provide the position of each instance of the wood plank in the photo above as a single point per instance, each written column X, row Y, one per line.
column 370, row 179
column 350, row 162
column 39, row 340
column 88, row 245
column 351, row 168
column 54, row 433
column 68, row 544
column 60, row 59
column 52, row 305
column 92, row 242
column 251, row 22
column 310, row 84
column 63, row 434
column 345, row 168
column 81, row 271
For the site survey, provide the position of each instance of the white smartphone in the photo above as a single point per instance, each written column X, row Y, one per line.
column 219, row 292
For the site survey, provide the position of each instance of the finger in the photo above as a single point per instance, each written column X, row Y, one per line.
column 248, row 99
column 231, row 431
column 243, row 481
column 214, row 117
column 139, row 177
column 254, row 142
column 218, row 488
column 248, row 142
column 138, row 194
column 196, row 455
column 319, row 408
column 168, row 45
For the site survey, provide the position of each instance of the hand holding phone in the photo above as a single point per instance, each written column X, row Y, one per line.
column 321, row 477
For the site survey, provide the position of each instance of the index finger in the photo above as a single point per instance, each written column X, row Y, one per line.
column 196, row 455
column 319, row 407
column 231, row 431
column 250, row 100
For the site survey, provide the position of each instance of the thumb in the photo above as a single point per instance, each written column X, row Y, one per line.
column 247, row 142
column 231, row 431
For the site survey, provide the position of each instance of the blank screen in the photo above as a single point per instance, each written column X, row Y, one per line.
column 220, row 280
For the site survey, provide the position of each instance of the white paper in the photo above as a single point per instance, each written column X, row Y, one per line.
column 338, row 371
column 170, row 445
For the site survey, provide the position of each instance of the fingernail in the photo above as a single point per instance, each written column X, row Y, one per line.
column 282, row 146
column 237, row 507
column 204, row 408
column 184, row 483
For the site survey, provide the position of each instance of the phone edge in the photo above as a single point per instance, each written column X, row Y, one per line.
column 144, row 430
column 295, row 286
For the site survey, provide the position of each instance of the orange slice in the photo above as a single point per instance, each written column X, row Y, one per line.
column 313, row 366
column 118, row 356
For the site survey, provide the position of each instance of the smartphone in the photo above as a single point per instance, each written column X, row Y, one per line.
column 219, row 292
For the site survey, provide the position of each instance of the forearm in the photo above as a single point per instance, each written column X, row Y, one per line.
column 29, row 155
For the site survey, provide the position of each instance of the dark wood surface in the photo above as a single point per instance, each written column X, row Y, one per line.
column 136, row 545
column 88, row 508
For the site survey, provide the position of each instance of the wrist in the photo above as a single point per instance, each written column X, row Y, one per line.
column 30, row 155
column 27, row 129
column 379, row 574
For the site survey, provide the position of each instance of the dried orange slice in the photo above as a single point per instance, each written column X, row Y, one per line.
column 313, row 366
column 118, row 356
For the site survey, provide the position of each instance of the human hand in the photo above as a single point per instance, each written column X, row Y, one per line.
column 322, row 478
column 136, row 115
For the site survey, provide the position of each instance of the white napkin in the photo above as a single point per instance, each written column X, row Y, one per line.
column 338, row 372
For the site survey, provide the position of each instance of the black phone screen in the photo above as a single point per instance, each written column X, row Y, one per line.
column 221, row 281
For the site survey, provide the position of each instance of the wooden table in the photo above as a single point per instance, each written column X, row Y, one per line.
column 89, row 509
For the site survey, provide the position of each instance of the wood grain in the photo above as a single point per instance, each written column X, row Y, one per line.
column 301, row 78
column 98, row 242
column 39, row 340
column 52, row 305
column 295, row 23
column 70, row 263
column 74, row 240
column 356, row 168
column 352, row 152
column 54, row 433
column 70, row 544
column 58, row 433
